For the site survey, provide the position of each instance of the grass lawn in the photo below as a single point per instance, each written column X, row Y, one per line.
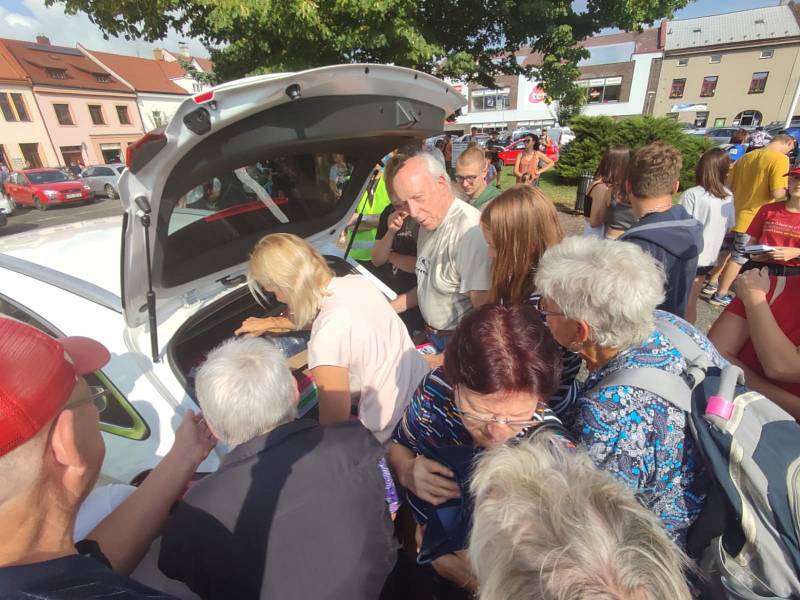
column 558, row 191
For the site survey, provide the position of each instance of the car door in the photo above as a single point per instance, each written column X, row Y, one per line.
column 24, row 190
column 88, row 177
column 104, row 176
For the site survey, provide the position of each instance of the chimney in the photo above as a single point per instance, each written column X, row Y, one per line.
column 183, row 49
column 662, row 34
column 42, row 40
column 158, row 54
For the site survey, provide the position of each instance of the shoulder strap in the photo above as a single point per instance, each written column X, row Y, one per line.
column 692, row 222
column 685, row 344
column 591, row 187
column 667, row 385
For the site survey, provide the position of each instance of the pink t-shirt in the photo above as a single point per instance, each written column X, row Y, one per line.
column 358, row 330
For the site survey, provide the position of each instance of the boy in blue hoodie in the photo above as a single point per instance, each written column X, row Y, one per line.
column 663, row 230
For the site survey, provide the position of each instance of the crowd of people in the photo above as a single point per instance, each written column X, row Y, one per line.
column 456, row 452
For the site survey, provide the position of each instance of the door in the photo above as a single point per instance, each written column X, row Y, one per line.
column 31, row 154
column 71, row 154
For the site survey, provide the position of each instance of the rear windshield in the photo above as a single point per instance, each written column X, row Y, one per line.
column 296, row 193
column 47, row 177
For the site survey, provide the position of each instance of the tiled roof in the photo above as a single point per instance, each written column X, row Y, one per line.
column 205, row 64
column 759, row 24
column 10, row 70
column 173, row 69
column 78, row 70
column 144, row 74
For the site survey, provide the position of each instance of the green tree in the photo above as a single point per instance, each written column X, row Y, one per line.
column 471, row 39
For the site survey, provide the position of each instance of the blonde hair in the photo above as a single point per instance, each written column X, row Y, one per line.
column 549, row 525
column 285, row 262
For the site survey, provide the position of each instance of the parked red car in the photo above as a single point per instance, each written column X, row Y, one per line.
column 509, row 154
column 44, row 188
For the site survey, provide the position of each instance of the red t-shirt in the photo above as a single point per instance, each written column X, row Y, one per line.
column 773, row 225
column 786, row 313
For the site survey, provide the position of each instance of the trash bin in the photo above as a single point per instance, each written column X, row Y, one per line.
column 584, row 181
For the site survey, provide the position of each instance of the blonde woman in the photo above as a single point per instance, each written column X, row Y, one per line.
column 359, row 351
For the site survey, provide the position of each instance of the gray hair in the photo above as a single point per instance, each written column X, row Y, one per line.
column 245, row 389
column 614, row 286
column 549, row 525
column 435, row 167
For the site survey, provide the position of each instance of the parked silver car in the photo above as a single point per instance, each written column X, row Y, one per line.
column 103, row 179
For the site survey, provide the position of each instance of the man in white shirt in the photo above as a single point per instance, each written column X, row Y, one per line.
column 453, row 266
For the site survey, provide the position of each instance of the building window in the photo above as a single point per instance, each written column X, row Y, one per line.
column 197, row 87
column 19, row 104
column 602, row 91
column 30, row 153
column 102, row 78
column 63, row 115
column 747, row 118
column 701, row 118
column 715, row 58
column 682, row 62
column 56, row 73
column 96, row 112
column 758, row 83
column 491, row 99
column 676, row 91
column 709, row 85
column 767, row 53
column 719, row 122
column 122, row 114
column 672, row 115
column 159, row 119
column 5, row 106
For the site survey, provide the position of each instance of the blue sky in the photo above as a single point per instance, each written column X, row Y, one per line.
column 23, row 19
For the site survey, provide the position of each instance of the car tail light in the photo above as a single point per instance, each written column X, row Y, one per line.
column 138, row 154
column 204, row 97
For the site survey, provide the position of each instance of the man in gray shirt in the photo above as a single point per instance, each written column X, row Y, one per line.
column 453, row 265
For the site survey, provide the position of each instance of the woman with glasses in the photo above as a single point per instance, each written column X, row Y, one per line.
column 519, row 225
column 500, row 369
column 530, row 160
column 599, row 298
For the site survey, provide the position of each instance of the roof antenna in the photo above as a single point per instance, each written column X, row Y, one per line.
column 144, row 217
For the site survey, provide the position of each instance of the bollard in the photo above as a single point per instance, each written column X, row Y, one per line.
column 584, row 181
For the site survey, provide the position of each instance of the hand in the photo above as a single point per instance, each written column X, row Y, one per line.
column 396, row 220
column 432, row 482
column 783, row 254
column 193, row 439
column 254, row 326
column 752, row 286
column 455, row 567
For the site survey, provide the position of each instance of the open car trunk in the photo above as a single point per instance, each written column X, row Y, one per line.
column 216, row 323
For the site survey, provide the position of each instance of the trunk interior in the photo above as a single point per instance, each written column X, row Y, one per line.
column 216, row 323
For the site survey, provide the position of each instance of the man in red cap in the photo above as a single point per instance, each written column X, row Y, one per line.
column 51, row 452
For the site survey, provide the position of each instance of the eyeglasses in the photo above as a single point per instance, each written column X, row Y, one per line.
column 484, row 422
column 97, row 395
column 467, row 178
column 545, row 312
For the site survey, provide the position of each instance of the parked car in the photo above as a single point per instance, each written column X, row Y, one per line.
column 103, row 179
column 509, row 154
column 7, row 205
column 44, row 188
column 208, row 210
column 720, row 135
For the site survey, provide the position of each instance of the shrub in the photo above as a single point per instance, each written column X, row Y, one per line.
column 594, row 134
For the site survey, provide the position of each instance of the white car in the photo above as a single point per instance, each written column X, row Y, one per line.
column 163, row 284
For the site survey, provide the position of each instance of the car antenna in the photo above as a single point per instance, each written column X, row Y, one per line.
column 144, row 218
column 373, row 180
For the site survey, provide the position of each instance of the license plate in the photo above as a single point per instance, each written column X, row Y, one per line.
column 75, row 195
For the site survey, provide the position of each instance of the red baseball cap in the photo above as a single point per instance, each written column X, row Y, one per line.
column 38, row 376
column 793, row 171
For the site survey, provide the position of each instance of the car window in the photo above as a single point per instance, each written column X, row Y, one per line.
column 88, row 172
column 53, row 176
column 279, row 193
column 103, row 172
column 120, row 170
column 119, row 417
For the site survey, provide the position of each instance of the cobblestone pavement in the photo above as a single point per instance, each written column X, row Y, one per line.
column 26, row 219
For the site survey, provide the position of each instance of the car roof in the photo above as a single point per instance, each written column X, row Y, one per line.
column 94, row 259
column 110, row 165
column 40, row 170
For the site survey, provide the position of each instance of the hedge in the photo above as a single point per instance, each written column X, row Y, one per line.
column 594, row 134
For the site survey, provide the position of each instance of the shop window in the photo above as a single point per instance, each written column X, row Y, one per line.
column 758, row 83
column 709, row 85
column 603, row 90
column 700, row 118
column 719, row 122
column 491, row 99
column 748, row 118
column 672, row 115
column 96, row 112
column 63, row 115
column 123, row 116
column 678, row 85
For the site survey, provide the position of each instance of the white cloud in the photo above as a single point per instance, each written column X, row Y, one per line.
column 68, row 30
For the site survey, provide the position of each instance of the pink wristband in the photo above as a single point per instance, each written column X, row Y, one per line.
column 720, row 407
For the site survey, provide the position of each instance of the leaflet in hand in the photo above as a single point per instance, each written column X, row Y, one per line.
column 758, row 249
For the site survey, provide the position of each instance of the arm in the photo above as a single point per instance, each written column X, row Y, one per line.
column 425, row 478
column 549, row 163
column 599, row 208
column 254, row 326
column 403, row 302
column 779, row 357
column 517, row 170
column 333, row 385
column 126, row 534
column 383, row 249
column 404, row 262
column 728, row 334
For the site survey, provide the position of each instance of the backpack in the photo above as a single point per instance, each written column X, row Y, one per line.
column 747, row 537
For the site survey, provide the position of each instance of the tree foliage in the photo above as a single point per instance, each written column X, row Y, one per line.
column 470, row 39
column 594, row 134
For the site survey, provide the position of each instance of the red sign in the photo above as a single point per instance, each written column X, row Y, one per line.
column 537, row 95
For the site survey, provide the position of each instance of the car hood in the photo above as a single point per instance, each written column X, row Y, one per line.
column 363, row 111
column 57, row 186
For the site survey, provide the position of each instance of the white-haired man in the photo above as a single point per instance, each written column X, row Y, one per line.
column 295, row 510
column 50, row 456
column 548, row 524
column 453, row 265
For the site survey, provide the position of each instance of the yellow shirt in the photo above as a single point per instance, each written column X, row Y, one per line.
column 754, row 177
